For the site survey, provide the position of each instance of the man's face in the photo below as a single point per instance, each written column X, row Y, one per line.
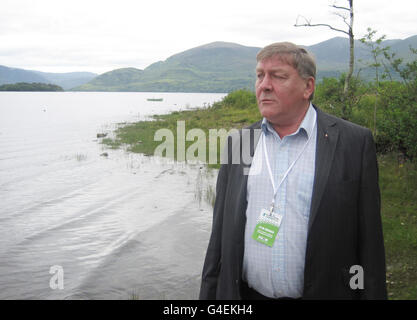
column 281, row 93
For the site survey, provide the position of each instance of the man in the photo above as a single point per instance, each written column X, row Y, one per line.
column 304, row 222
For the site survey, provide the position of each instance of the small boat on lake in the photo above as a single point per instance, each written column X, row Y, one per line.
column 155, row 99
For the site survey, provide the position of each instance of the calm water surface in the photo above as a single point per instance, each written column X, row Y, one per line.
column 120, row 226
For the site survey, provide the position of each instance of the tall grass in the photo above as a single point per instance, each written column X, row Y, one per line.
column 398, row 183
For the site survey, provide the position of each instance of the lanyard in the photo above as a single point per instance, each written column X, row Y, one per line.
column 286, row 172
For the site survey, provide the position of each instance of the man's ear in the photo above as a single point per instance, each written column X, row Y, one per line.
column 310, row 83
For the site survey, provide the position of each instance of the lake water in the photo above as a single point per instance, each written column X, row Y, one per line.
column 78, row 225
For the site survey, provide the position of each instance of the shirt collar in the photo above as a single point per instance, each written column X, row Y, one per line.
column 307, row 124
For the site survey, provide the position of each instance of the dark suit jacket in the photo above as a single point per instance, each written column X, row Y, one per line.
column 344, row 226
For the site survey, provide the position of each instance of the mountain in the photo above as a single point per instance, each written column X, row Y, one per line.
column 332, row 56
column 215, row 67
column 223, row 67
column 114, row 80
column 402, row 47
column 12, row 75
column 68, row 80
column 64, row 80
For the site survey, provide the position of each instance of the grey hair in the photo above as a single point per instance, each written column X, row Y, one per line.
column 296, row 56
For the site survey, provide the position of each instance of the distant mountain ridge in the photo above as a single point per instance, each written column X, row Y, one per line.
column 224, row 66
column 65, row 80
column 213, row 67
column 332, row 55
column 115, row 79
column 68, row 80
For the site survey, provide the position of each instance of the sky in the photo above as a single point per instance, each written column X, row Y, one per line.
column 103, row 35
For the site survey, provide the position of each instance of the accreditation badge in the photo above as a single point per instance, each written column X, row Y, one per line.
column 267, row 227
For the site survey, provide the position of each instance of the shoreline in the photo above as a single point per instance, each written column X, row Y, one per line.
column 398, row 181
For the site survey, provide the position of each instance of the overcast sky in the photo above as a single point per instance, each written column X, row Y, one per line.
column 103, row 35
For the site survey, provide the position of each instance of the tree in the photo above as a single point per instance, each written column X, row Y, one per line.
column 34, row 86
column 399, row 105
column 376, row 51
column 408, row 73
column 348, row 20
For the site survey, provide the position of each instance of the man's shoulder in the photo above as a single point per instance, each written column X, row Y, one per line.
column 325, row 119
column 237, row 133
column 256, row 125
column 343, row 125
column 240, row 141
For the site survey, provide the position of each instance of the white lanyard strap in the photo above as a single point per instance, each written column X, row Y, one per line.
column 289, row 168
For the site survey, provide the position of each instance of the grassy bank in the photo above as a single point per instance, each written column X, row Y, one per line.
column 227, row 114
column 398, row 181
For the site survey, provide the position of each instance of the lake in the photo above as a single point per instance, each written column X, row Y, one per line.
column 75, row 224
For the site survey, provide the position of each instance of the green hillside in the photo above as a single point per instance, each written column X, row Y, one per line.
column 216, row 67
column 224, row 67
column 116, row 80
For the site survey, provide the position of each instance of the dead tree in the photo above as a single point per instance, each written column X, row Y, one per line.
column 348, row 21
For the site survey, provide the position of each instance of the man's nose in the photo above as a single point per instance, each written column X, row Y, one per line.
column 266, row 84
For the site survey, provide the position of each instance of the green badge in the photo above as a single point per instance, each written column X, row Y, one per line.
column 266, row 229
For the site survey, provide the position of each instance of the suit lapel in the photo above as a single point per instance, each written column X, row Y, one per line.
column 243, row 170
column 327, row 136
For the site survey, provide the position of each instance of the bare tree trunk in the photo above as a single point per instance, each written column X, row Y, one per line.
column 351, row 62
column 345, row 97
column 351, row 51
